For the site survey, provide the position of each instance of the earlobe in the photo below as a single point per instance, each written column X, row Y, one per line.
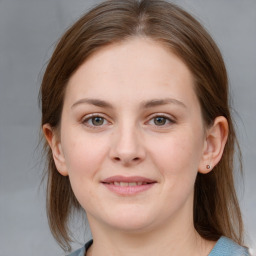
column 215, row 141
column 55, row 145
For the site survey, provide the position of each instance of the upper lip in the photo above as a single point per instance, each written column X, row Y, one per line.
column 113, row 179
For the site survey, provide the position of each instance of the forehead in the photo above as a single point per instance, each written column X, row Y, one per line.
column 137, row 67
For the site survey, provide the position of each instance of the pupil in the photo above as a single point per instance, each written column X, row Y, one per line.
column 97, row 121
column 160, row 121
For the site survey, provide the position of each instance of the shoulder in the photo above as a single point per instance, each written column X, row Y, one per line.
column 227, row 247
column 81, row 251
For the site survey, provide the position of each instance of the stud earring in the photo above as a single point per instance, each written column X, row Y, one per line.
column 208, row 167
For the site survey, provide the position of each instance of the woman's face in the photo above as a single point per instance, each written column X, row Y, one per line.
column 132, row 136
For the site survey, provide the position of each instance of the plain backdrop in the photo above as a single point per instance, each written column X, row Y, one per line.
column 29, row 30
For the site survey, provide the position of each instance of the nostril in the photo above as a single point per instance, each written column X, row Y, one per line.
column 125, row 160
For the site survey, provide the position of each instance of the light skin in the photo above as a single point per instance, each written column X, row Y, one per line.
column 131, row 110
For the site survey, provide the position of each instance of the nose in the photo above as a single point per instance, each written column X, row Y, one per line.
column 127, row 147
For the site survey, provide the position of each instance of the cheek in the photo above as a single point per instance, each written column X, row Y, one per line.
column 177, row 155
column 177, row 160
column 84, row 155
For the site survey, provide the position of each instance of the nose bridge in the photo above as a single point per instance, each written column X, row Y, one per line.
column 127, row 138
column 127, row 146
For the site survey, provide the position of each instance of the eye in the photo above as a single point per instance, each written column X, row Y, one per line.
column 160, row 120
column 94, row 121
column 97, row 121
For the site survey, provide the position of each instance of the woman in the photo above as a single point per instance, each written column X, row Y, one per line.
column 139, row 134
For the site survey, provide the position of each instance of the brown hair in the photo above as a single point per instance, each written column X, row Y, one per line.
column 216, row 208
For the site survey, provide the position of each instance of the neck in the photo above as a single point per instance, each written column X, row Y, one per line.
column 166, row 240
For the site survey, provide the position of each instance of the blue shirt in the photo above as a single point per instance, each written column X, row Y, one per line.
column 227, row 247
column 223, row 247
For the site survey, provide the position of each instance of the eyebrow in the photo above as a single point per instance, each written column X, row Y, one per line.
column 95, row 102
column 160, row 102
column 146, row 104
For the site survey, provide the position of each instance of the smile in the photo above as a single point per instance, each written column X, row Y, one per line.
column 127, row 186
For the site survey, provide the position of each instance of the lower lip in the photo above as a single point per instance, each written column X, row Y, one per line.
column 128, row 190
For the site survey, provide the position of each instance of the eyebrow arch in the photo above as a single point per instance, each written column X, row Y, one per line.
column 146, row 104
column 95, row 102
column 160, row 102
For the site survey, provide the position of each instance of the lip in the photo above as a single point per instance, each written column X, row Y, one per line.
column 128, row 179
column 144, row 184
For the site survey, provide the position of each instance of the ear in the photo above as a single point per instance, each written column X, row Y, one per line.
column 215, row 141
column 54, row 142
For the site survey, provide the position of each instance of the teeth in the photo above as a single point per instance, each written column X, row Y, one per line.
column 130, row 184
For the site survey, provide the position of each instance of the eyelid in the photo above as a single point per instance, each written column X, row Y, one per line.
column 84, row 120
column 89, row 116
column 167, row 116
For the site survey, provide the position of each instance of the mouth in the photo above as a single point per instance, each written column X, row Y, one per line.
column 128, row 185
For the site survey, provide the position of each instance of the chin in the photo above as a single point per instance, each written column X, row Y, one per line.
column 131, row 220
column 133, row 227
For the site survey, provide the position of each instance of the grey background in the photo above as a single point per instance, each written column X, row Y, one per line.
column 28, row 32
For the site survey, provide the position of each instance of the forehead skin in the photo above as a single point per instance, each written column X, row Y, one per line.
column 120, row 65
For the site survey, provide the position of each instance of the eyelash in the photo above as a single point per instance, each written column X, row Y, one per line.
column 89, row 118
column 167, row 119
